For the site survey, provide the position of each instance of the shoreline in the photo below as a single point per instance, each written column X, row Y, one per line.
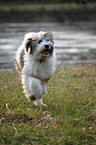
column 50, row 14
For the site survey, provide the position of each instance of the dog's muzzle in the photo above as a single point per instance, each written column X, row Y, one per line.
column 47, row 50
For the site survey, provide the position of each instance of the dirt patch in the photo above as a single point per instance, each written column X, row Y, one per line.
column 15, row 117
column 46, row 119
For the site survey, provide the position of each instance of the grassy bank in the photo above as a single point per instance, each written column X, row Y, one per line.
column 69, row 119
column 43, row 5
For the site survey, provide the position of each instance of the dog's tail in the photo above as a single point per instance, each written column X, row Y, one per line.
column 17, row 66
column 19, row 62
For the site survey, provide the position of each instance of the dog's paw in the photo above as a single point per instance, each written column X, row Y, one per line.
column 39, row 103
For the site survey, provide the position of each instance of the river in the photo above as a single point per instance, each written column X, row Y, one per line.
column 74, row 43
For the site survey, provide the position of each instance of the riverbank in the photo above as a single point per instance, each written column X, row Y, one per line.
column 68, row 119
column 48, row 13
column 72, row 46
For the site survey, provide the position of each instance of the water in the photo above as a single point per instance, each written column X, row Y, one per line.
column 74, row 43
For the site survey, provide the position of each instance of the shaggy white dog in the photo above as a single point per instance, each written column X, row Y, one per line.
column 36, row 61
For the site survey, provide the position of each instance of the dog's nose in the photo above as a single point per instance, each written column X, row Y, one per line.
column 47, row 46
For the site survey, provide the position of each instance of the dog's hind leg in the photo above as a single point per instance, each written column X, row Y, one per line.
column 33, row 89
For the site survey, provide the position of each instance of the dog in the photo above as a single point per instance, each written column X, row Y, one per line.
column 35, row 60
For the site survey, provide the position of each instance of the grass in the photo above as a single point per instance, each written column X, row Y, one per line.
column 42, row 5
column 69, row 119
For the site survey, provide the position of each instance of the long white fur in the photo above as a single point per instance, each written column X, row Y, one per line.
column 34, row 74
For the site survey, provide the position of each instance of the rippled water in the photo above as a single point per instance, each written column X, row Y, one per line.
column 74, row 43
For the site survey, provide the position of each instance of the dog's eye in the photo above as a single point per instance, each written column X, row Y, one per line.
column 40, row 41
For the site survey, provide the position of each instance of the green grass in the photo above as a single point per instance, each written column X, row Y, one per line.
column 42, row 5
column 69, row 119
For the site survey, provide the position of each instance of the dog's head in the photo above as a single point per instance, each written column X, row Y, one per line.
column 39, row 44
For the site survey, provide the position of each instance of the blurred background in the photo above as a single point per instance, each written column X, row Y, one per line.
column 72, row 22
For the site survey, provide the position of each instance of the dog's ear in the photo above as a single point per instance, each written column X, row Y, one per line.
column 29, row 46
column 49, row 35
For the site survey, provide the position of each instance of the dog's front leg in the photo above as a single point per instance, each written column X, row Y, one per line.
column 33, row 89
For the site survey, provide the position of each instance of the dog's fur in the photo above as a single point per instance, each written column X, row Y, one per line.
column 35, row 61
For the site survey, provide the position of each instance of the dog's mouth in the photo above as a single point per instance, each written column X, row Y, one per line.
column 47, row 51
